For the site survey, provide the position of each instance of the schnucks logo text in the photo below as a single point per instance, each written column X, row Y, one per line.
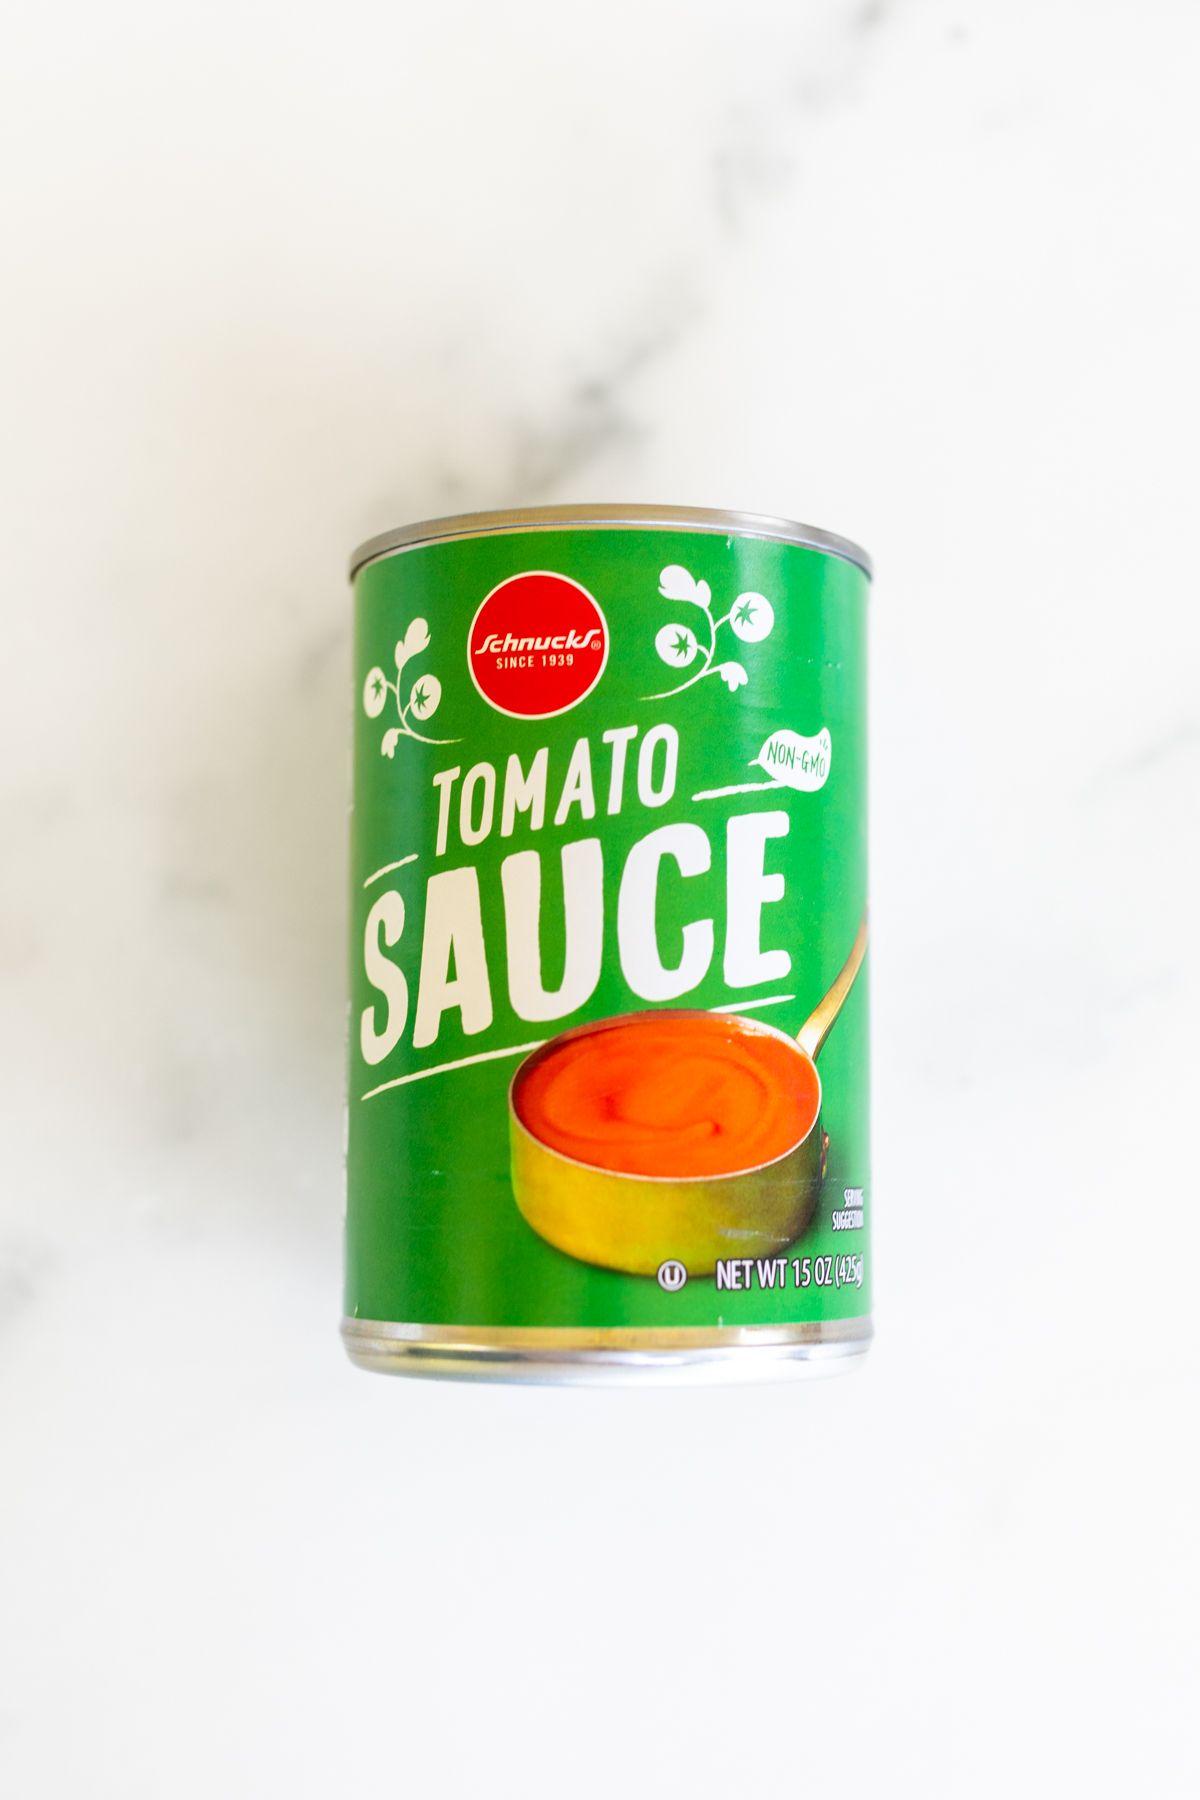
column 537, row 645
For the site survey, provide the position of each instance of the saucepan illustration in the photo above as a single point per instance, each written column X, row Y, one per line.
column 634, row 1221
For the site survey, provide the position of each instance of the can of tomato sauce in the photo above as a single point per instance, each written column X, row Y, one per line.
column 608, row 1071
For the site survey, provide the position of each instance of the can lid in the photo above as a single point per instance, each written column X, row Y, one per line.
column 647, row 518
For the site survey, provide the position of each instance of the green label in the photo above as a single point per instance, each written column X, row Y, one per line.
column 608, row 1002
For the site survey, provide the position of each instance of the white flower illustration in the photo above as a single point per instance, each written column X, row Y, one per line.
column 415, row 639
column 375, row 692
column 750, row 618
column 675, row 583
column 676, row 645
column 424, row 696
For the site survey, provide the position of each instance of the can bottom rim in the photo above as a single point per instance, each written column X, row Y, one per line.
column 608, row 1358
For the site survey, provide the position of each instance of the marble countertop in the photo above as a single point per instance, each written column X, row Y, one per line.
column 278, row 278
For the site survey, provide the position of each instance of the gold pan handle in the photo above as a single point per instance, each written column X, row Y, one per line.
column 819, row 1024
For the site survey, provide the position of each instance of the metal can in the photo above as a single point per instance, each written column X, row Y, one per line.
column 608, row 1067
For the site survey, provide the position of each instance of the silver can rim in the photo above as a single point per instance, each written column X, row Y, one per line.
column 608, row 1356
column 608, row 518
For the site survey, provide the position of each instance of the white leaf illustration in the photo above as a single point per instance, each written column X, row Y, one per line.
column 675, row 583
column 415, row 639
column 425, row 696
column 375, row 692
column 752, row 617
column 677, row 645
column 733, row 675
column 390, row 740
column 798, row 762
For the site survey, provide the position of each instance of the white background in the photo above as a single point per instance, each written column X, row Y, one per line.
column 279, row 276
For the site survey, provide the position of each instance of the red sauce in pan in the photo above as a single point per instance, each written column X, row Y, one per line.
column 670, row 1094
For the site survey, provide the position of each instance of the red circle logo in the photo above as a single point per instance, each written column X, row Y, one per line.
column 537, row 646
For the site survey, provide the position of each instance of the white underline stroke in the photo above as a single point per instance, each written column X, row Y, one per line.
column 747, row 787
column 463, row 1062
column 387, row 869
column 753, row 1005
